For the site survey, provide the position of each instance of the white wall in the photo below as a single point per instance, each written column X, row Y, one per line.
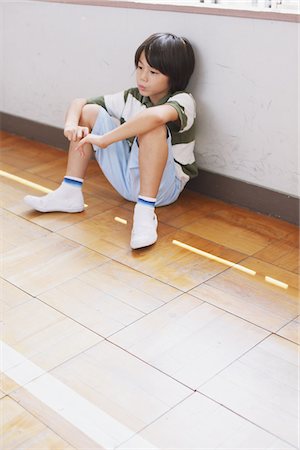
column 245, row 82
column 1, row 55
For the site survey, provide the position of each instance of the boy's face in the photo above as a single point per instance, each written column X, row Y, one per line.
column 150, row 82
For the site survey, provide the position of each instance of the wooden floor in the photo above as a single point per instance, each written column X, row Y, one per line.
column 189, row 344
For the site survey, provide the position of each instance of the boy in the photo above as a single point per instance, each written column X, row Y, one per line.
column 149, row 157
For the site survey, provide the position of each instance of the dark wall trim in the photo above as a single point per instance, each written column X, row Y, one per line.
column 228, row 189
column 33, row 130
column 241, row 193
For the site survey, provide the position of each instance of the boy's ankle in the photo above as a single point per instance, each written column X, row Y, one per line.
column 146, row 201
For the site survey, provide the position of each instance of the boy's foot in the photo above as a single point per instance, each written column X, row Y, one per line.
column 144, row 227
column 70, row 202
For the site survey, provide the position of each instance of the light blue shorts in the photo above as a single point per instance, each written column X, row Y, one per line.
column 120, row 165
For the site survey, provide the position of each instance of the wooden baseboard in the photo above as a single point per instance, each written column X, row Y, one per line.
column 256, row 198
column 33, row 130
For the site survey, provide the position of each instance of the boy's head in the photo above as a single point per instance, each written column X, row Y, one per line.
column 171, row 55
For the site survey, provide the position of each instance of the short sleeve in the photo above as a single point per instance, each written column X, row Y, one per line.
column 97, row 101
column 113, row 103
column 185, row 106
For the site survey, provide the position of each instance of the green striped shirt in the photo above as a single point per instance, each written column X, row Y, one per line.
column 126, row 104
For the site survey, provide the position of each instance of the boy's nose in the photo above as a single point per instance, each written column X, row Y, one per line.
column 144, row 76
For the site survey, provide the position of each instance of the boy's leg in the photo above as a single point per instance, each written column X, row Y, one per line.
column 68, row 197
column 153, row 155
column 77, row 165
column 113, row 160
column 158, row 184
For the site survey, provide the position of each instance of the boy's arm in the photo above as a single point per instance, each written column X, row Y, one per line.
column 143, row 122
column 72, row 130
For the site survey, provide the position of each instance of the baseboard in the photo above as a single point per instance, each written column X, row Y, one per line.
column 230, row 190
column 256, row 198
column 33, row 130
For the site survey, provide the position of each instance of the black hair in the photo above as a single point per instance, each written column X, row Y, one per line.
column 171, row 55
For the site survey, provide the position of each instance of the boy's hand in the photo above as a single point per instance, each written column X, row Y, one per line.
column 75, row 132
column 93, row 139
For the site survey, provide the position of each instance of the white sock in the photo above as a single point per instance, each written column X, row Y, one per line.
column 67, row 197
column 144, row 226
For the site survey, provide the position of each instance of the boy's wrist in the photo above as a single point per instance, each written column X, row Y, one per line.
column 103, row 142
column 71, row 125
column 99, row 141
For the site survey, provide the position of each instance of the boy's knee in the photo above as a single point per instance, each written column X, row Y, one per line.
column 89, row 114
column 158, row 133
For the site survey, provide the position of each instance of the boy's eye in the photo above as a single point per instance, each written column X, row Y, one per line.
column 152, row 71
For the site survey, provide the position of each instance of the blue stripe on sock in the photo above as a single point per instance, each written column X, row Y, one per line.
column 145, row 202
column 74, row 182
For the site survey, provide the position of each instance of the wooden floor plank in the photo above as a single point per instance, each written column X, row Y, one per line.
column 181, row 267
column 41, row 335
column 261, row 382
column 16, row 231
column 11, row 296
column 187, row 339
column 253, row 297
column 206, row 425
column 21, row 430
column 291, row 331
column 25, row 154
column 47, row 262
column 283, row 253
column 239, row 229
